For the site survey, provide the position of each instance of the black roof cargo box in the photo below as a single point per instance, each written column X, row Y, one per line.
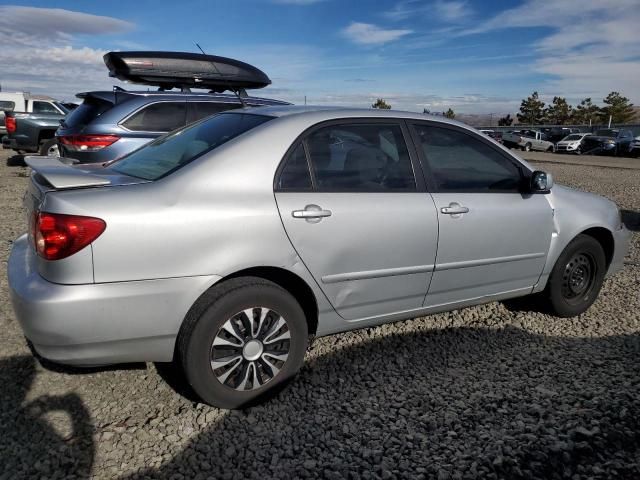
column 183, row 70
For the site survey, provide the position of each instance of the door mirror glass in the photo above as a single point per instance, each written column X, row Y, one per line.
column 541, row 182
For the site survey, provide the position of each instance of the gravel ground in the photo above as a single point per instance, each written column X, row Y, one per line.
column 483, row 392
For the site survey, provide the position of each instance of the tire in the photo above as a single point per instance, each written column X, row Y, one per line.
column 576, row 278
column 527, row 147
column 551, row 149
column 231, row 384
column 50, row 148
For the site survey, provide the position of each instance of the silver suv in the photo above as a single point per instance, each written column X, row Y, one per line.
column 226, row 245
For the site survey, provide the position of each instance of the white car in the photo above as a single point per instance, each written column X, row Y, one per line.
column 571, row 143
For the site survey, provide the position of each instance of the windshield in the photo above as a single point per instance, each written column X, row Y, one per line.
column 607, row 132
column 62, row 107
column 176, row 149
column 573, row 136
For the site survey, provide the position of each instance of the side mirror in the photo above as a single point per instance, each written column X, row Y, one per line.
column 541, row 182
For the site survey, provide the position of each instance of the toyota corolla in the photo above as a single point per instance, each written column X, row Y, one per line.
column 226, row 245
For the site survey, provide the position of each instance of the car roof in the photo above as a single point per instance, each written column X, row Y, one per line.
column 110, row 96
column 322, row 113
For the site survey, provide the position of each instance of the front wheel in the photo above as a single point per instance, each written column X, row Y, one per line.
column 577, row 277
column 242, row 342
column 527, row 147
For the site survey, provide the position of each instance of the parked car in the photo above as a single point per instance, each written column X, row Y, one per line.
column 634, row 149
column 497, row 136
column 527, row 140
column 555, row 134
column 608, row 141
column 571, row 143
column 226, row 245
column 29, row 122
column 108, row 125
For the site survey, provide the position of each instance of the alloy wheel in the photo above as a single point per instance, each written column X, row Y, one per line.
column 250, row 348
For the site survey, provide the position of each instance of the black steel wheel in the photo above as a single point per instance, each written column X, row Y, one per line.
column 577, row 277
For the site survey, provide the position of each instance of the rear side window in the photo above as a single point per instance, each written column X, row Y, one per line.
column 295, row 175
column 171, row 152
column 361, row 157
column 158, row 117
column 459, row 162
column 84, row 114
column 6, row 105
column 199, row 110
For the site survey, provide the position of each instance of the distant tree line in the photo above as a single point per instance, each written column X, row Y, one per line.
column 533, row 111
column 559, row 112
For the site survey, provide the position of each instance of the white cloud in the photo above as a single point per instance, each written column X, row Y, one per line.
column 56, row 22
column 449, row 11
column 591, row 49
column 369, row 34
column 44, row 58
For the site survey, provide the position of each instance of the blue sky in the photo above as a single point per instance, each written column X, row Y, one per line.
column 472, row 56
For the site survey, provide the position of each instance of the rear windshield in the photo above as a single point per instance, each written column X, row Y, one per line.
column 84, row 114
column 174, row 150
column 607, row 133
column 573, row 136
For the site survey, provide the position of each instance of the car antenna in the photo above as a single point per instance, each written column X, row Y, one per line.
column 237, row 94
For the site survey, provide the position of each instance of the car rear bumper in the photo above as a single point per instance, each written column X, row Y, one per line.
column 103, row 323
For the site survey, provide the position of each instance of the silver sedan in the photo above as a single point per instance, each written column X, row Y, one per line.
column 227, row 245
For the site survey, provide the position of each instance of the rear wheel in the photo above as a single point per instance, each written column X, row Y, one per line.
column 50, row 148
column 242, row 342
column 577, row 277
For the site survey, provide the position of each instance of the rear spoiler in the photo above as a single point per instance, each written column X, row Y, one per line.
column 62, row 176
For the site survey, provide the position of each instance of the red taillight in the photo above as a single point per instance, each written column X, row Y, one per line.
column 87, row 143
column 10, row 124
column 58, row 236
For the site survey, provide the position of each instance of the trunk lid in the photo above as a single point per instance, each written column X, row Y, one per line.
column 50, row 175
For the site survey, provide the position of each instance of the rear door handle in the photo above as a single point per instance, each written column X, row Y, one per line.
column 312, row 213
column 454, row 209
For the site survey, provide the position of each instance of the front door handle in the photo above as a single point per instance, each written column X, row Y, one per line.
column 312, row 213
column 454, row 209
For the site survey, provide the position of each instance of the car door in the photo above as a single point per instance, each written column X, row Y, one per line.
column 493, row 238
column 359, row 217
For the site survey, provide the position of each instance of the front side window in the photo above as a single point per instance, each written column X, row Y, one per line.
column 171, row 152
column 361, row 157
column 44, row 107
column 158, row 117
column 458, row 162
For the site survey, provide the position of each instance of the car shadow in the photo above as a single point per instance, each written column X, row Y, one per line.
column 631, row 220
column 447, row 403
column 453, row 403
column 25, row 429
column 16, row 161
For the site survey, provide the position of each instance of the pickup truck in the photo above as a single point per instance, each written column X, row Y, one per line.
column 31, row 126
column 527, row 140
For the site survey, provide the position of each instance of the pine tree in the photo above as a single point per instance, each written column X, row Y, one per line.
column 449, row 114
column 505, row 121
column 381, row 104
column 531, row 110
column 618, row 107
column 558, row 112
column 586, row 112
